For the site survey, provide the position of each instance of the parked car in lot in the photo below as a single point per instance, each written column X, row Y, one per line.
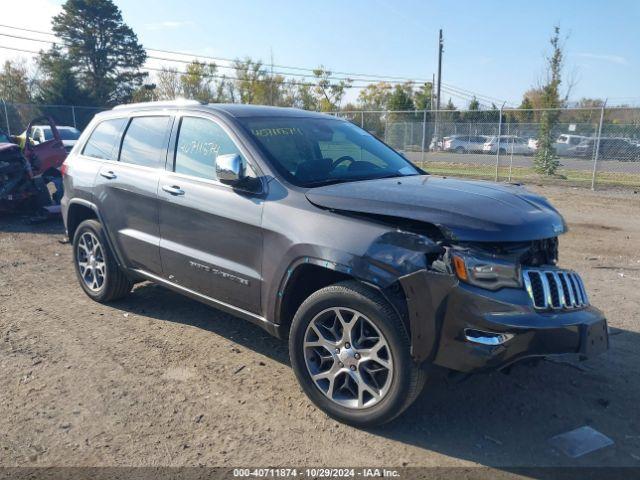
column 379, row 274
column 464, row 143
column 43, row 133
column 610, row 149
column 564, row 145
column 508, row 144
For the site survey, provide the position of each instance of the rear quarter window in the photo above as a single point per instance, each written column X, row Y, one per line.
column 104, row 140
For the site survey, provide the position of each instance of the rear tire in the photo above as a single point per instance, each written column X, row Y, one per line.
column 345, row 380
column 96, row 268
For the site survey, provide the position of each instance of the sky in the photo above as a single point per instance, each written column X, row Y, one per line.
column 494, row 48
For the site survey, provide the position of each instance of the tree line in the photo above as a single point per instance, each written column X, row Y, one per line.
column 99, row 61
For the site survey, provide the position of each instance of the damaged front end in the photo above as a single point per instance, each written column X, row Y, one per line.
column 475, row 306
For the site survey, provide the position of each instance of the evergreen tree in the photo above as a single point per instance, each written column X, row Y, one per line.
column 104, row 50
column 59, row 85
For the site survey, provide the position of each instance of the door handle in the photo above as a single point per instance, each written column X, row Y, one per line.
column 108, row 175
column 173, row 189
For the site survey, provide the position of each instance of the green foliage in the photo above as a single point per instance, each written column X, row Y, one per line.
column 401, row 99
column 104, row 50
column 59, row 85
column 14, row 82
column 375, row 96
column 422, row 96
column 197, row 81
column 328, row 94
column 15, row 87
column 546, row 161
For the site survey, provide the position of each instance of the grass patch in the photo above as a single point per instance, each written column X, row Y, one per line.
column 528, row 175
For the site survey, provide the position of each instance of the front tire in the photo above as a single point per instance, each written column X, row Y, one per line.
column 351, row 355
column 96, row 268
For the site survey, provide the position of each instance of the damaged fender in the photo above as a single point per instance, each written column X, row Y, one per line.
column 395, row 258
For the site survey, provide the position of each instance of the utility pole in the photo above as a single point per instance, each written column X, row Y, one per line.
column 440, row 45
column 436, row 132
column 271, row 80
column 431, row 96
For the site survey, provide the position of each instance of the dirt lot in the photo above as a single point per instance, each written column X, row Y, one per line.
column 159, row 379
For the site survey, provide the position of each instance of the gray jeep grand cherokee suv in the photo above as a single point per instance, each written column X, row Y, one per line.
column 378, row 273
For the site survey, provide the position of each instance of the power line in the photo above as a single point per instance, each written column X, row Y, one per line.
column 232, row 67
column 464, row 96
column 476, row 94
column 201, row 75
column 288, row 67
column 459, row 92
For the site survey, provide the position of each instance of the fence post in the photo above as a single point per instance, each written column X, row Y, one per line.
column 498, row 144
column 362, row 119
column 6, row 116
column 595, row 157
column 424, row 134
column 73, row 115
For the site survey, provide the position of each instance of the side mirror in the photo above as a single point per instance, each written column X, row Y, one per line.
column 230, row 168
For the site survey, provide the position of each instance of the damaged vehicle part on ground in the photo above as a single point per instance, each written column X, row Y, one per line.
column 379, row 274
column 26, row 170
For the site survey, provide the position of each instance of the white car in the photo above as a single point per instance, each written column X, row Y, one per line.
column 464, row 143
column 42, row 133
column 565, row 145
column 508, row 144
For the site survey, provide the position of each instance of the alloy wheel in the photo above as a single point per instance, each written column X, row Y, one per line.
column 91, row 262
column 348, row 358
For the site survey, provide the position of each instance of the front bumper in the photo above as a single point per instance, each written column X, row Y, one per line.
column 469, row 329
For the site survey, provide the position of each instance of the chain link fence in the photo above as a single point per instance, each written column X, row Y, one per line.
column 15, row 117
column 593, row 147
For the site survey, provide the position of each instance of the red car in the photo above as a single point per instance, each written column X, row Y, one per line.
column 25, row 174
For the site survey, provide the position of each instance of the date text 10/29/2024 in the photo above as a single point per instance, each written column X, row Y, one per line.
column 315, row 473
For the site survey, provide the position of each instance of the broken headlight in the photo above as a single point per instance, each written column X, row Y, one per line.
column 488, row 272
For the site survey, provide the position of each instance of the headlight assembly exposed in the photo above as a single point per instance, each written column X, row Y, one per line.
column 486, row 271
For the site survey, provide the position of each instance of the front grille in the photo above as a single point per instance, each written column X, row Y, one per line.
column 555, row 289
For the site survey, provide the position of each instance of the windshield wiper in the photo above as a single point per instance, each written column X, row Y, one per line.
column 333, row 181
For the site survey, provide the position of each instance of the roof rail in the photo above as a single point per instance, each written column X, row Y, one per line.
column 180, row 102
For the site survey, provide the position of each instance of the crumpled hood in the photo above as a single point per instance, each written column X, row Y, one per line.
column 470, row 211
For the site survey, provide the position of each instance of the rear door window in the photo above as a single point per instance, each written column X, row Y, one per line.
column 145, row 141
column 104, row 140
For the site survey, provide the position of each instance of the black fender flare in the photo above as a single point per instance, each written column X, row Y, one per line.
column 96, row 210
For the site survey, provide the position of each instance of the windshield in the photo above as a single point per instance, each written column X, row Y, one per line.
column 65, row 133
column 69, row 133
column 316, row 151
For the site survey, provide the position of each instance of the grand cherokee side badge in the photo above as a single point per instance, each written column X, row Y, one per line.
column 219, row 273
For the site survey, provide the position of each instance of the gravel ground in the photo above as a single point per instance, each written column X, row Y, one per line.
column 159, row 379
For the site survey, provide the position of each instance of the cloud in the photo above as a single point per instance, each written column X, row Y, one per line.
column 169, row 24
column 617, row 59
